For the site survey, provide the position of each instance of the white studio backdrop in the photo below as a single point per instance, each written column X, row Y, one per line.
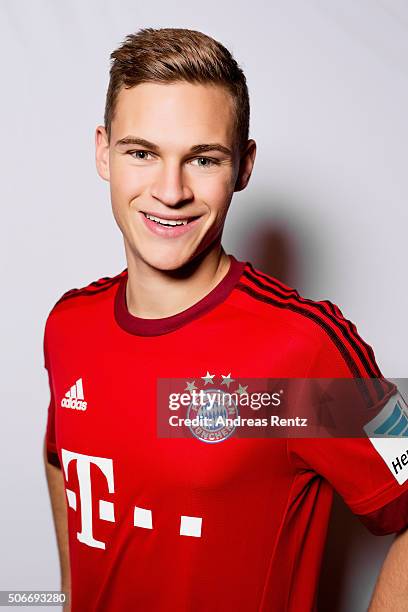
column 325, row 210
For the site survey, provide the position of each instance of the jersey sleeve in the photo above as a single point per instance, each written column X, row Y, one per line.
column 51, row 448
column 370, row 473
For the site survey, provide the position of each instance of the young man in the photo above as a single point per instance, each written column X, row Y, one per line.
column 154, row 524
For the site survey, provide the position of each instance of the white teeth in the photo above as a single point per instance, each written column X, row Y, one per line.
column 165, row 221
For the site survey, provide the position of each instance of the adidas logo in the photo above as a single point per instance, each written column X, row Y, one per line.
column 74, row 398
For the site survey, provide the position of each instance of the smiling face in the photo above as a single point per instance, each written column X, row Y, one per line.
column 173, row 165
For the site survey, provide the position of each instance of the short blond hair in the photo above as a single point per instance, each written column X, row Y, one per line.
column 168, row 55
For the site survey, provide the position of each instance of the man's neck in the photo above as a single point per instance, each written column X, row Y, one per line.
column 154, row 294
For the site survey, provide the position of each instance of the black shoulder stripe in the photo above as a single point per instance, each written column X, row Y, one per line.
column 273, row 281
column 86, row 291
column 370, row 367
column 333, row 336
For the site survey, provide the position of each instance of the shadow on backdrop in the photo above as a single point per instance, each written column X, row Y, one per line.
column 278, row 249
column 274, row 255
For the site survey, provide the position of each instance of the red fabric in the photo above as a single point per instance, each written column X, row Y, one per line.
column 390, row 518
column 264, row 504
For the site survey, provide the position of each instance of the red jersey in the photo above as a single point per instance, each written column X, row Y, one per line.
column 177, row 524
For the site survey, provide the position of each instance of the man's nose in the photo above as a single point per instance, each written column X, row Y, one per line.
column 170, row 186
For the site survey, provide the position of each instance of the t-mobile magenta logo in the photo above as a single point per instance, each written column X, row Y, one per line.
column 106, row 511
column 142, row 517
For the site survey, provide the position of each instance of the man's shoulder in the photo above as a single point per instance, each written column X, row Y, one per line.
column 88, row 296
column 307, row 320
column 272, row 296
column 78, row 310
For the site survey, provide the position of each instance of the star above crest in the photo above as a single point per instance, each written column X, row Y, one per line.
column 208, row 378
column 227, row 380
column 191, row 386
column 241, row 390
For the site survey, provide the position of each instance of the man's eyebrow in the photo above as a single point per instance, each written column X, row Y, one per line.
column 212, row 146
column 133, row 140
column 199, row 148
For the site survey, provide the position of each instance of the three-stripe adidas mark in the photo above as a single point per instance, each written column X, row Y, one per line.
column 74, row 398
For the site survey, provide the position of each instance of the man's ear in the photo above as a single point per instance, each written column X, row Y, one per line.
column 246, row 165
column 102, row 152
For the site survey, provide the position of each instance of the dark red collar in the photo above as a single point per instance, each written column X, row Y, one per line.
column 155, row 327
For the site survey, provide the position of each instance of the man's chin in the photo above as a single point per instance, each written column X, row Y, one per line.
column 168, row 262
column 171, row 258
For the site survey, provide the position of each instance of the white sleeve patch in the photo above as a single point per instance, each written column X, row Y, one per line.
column 392, row 422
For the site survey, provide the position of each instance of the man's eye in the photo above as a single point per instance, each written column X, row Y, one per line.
column 137, row 154
column 208, row 162
column 205, row 162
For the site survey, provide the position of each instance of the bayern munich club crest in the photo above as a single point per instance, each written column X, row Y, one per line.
column 212, row 412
